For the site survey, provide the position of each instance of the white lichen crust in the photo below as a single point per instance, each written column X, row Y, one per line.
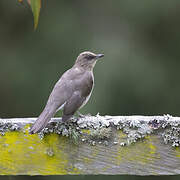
column 103, row 129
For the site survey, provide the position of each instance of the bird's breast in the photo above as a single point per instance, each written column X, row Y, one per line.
column 89, row 85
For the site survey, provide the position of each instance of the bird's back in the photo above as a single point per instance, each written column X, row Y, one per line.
column 81, row 81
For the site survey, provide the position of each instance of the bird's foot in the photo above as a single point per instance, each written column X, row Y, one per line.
column 66, row 123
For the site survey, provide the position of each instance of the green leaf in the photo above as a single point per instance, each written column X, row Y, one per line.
column 35, row 6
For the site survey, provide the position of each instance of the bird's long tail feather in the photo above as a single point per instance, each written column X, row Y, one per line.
column 42, row 121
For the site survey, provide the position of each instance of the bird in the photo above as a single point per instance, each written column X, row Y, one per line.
column 71, row 92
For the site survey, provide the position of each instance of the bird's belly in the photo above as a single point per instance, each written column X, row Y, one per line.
column 60, row 107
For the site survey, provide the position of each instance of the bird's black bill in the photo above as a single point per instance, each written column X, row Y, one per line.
column 100, row 55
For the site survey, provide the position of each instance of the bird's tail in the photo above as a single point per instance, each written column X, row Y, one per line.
column 42, row 121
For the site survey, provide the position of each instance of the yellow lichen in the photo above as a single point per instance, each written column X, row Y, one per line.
column 86, row 131
column 177, row 150
column 140, row 152
column 22, row 153
column 120, row 134
column 87, row 160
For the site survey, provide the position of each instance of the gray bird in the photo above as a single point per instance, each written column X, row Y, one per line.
column 71, row 92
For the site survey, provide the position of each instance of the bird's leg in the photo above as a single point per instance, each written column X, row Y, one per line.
column 66, row 123
column 83, row 115
column 80, row 115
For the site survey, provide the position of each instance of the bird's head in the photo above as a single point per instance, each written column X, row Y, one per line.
column 87, row 60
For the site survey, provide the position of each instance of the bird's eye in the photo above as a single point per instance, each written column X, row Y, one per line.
column 89, row 57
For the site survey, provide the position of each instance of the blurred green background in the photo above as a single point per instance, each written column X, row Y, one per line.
column 138, row 75
column 140, row 39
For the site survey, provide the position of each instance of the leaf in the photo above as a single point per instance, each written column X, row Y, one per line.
column 35, row 6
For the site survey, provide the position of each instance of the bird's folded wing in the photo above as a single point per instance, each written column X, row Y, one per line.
column 73, row 104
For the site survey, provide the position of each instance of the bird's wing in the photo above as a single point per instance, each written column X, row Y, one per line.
column 72, row 105
column 62, row 90
column 71, row 89
column 59, row 95
column 80, row 95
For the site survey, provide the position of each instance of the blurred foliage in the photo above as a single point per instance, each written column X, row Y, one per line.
column 138, row 75
column 35, row 6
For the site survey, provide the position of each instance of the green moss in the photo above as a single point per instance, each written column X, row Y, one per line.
column 101, row 133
